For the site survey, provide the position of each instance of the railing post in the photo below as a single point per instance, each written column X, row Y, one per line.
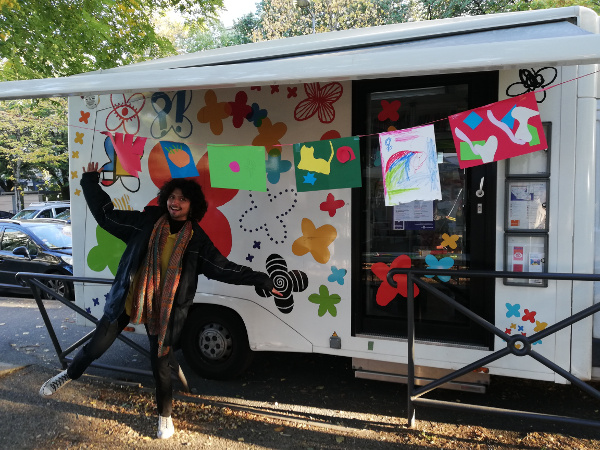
column 410, row 312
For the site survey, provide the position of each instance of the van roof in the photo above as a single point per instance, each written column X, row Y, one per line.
column 561, row 36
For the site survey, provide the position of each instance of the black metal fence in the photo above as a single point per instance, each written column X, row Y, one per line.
column 517, row 345
column 35, row 282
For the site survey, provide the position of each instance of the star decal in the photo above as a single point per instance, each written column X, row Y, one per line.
column 513, row 310
column 77, row 192
column 314, row 240
column 79, row 137
column 309, row 178
column 75, row 155
column 96, row 301
column 256, row 245
column 325, row 301
column 74, row 174
column 249, row 257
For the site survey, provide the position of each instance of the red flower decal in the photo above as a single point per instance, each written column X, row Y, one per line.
column 240, row 109
column 319, row 101
column 214, row 223
column 386, row 293
column 389, row 111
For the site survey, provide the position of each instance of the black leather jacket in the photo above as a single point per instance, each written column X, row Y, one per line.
column 135, row 228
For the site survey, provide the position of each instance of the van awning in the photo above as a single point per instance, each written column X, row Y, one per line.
column 484, row 43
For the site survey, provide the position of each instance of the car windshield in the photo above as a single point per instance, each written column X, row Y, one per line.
column 65, row 215
column 54, row 235
column 26, row 214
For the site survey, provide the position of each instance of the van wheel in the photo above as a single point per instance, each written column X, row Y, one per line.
column 215, row 343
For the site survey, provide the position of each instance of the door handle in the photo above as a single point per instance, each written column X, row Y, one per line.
column 479, row 192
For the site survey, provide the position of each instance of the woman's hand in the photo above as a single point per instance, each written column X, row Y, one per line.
column 92, row 167
column 276, row 292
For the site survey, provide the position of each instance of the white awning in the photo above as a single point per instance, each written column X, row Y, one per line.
column 514, row 40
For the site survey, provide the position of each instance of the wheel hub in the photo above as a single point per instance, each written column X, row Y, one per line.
column 215, row 342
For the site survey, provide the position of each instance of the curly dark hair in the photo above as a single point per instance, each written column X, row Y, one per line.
column 190, row 190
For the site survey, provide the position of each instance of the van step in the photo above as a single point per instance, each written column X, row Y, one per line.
column 397, row 373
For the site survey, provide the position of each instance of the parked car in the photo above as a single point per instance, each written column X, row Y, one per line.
column 43, row 210
column 36, row 245
column 6, row 215
column 65, row 215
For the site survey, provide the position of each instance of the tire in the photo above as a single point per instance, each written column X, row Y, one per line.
column 215, row 343
column 61, row 287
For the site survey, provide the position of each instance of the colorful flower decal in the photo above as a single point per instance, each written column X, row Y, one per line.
column 214, row 112
column 276, row 166
column 240, row 109
column 125, row 112
column 256, row 115
column 444, row 263
column 337, row 275
column 268, row 220
column 79, row 137
column 513, row 310
column 107, row 253
column 292, row 92
column 84, row 117
column 386, row 293
column 214, row 223
column 319, row 101
column 314, row 240
column 285, row 281
column 331, row 205
column 389, row 111
column 529, row 316
column 325, row 301
column 449, row 241
column 269, row 134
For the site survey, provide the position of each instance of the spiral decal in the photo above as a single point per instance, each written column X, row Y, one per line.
column 285, row 281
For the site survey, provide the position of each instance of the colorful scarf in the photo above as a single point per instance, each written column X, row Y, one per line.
column 153, row 300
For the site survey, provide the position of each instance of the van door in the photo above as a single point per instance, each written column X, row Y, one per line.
column 458, row 231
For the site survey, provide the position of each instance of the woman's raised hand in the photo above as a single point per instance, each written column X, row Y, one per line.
column 92, row 167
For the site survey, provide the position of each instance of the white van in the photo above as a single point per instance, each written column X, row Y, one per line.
column 361, row 83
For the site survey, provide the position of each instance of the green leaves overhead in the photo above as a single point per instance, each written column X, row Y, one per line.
column 65, row 37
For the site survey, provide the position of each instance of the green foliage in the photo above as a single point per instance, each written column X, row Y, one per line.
column 64, row 37
column 208, row 37
column 33, row 142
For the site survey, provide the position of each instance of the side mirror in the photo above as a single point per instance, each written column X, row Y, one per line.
column 22, row 251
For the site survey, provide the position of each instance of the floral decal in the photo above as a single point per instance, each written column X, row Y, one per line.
column 125, row 112
column 285, row 281
column 386, row 293
column 319, row 101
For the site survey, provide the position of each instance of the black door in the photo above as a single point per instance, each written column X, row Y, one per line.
column 456, row 232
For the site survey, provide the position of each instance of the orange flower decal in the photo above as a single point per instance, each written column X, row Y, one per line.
column 315, row 240
column 214, row 112
column 269, row 134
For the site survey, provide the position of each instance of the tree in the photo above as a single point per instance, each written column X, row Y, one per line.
column 282, row 18
column 33, row 141
column 64, row 37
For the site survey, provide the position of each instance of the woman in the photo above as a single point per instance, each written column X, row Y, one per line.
column 156, row 279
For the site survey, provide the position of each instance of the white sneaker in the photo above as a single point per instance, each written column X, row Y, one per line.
column 54, row 384
column 165, row 427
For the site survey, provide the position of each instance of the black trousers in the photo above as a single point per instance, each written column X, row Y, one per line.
column 105, row 334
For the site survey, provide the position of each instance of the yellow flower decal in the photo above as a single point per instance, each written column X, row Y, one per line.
column 315, row 240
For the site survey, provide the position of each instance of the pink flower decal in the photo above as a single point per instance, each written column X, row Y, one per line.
column 125, row 113
column 319, row 101
column 386, row 293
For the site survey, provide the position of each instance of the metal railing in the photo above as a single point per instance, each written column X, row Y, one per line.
column 37, row 287
column 517, row 345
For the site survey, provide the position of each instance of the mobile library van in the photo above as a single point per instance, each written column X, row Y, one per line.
column 325, row 100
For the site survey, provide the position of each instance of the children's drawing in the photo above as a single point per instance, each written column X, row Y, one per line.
column 409, row 165
column 170, row 114
column 286, row 282
column 320, row 100
column 325, row 301
column 498, row 131
column 237, row 167
column 125, row 112
column 315, row 240
column 179, row 159
column 329, row 164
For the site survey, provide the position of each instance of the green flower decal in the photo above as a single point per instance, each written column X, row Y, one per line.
column 107, row 253
column 325, row 301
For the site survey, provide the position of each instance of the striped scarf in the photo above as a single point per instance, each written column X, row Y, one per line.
column 153, row 300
